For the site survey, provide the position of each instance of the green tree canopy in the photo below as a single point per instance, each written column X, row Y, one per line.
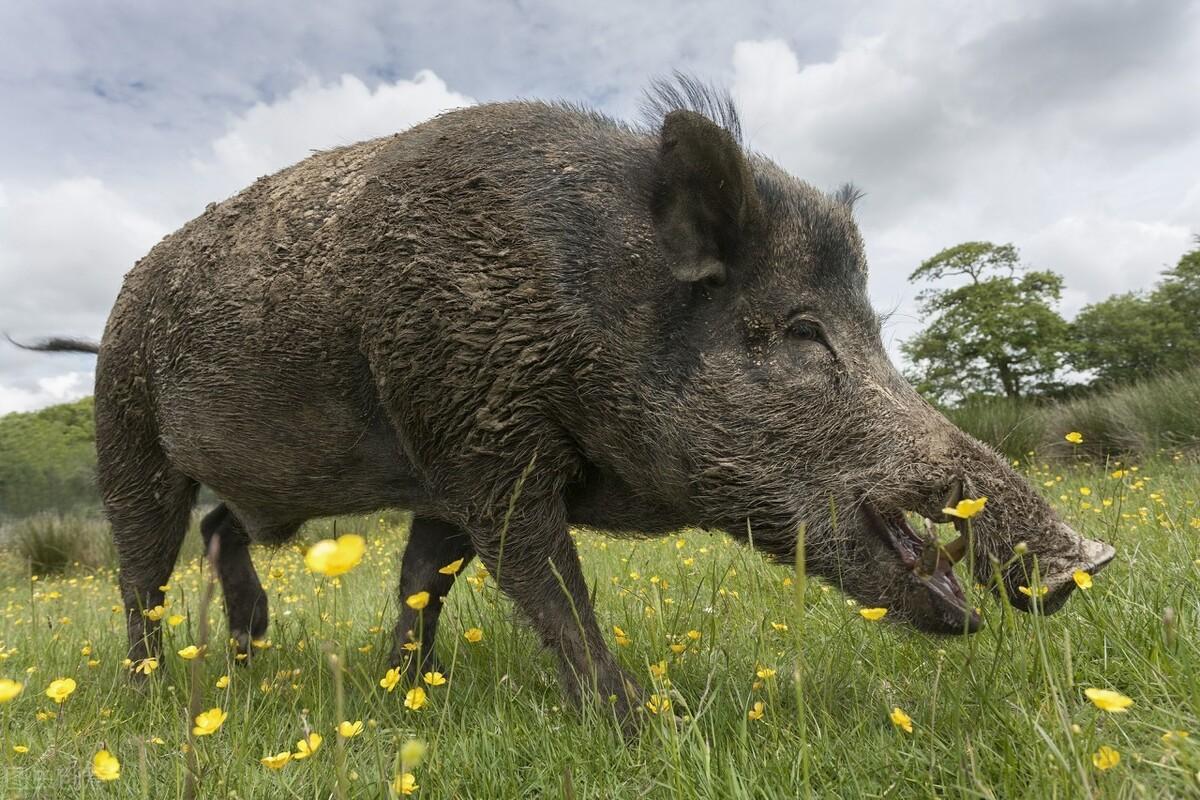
column 999, row 334
column 1132, row 336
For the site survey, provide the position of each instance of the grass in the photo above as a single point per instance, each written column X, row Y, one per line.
column 998, row 715
column 1160, row 414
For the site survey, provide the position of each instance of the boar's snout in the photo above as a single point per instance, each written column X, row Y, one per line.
column 1056, row 571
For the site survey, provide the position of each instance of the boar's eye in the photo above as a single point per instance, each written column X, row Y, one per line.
column 805, row 330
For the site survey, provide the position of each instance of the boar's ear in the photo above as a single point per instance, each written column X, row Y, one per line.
column 704, row 198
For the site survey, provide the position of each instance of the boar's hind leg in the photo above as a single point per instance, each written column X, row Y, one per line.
column 538, row 567
column 149, row 519
column 245, row 600
column 432, row 545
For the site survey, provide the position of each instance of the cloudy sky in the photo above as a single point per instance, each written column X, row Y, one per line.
column 1071, row 129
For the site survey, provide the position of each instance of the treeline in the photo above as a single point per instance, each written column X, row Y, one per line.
column 996, row 331
column 48, row 460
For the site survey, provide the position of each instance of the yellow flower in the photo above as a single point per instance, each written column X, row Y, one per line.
column 1108, row 700
column 146, row 666
column 434, row 678
column 1074, row 437
column 189, row 652
column 20, row 748
column 1086, row 491
column 417, row 601
column 222, row 681
column 622, row 638
column 277, row 761
column 1040, row 590
column 105, row 766
column 154, row 614
column 780, row 627
column 473, row 635
column 333, row 557
column 411, row 752
column 174, row 619
column 658, row 669
column 405, row 784
column 658, row 704
column 756, row 713
column 765, row 672
column 390, row 680
column 59, row 690
column 901, row 720
column 307, row 746
column 452, row 568
column 1170, row 736
column 207, row 722
column 348, row 730
column 414, row 698
column 9, row 689
column 873, row 614
column 694, row 635
column 1105, row 758
column 965, row 509
column 1082, row 579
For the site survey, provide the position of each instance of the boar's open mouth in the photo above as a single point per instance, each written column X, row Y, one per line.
column 932, row 598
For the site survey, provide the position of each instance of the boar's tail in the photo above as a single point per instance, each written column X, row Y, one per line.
column 58, row 345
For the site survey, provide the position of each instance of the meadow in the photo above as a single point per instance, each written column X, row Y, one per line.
column 766, row 684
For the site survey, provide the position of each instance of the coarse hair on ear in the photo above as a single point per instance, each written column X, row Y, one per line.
column 704, row 197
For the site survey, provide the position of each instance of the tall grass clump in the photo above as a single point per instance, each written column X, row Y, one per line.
column 51, row 542
column 1143, row 419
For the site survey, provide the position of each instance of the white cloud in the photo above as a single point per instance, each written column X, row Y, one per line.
column 65, row 246
column 47, row 391
column 269, row 137
column 960, row 130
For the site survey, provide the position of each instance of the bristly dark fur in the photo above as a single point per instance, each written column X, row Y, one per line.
column 682, row 92
column 58, row 345
column 848, row 195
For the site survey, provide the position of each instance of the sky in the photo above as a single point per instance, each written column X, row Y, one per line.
column 1071, row 129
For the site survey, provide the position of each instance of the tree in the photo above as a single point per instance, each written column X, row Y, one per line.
column 1132, row 336
column 998, row 334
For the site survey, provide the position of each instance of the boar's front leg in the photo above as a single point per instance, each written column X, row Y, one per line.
column 535, row 562
column 432, row 546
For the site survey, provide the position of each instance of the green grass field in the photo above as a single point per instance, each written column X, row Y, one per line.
column 708, row 623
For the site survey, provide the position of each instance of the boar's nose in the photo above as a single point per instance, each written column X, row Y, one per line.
column 1058, row 577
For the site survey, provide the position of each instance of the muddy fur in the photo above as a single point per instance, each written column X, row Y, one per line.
column 641, row 328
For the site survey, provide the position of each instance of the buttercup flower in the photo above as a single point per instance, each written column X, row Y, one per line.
column 1040, row 591
column 307, row 746
column 901, row 720
column 1108, row 700
column 1074, row 437
column 765, row 672
column 189, row 652
column 222, row 681
column 965, row 509
column 105, row 766
column 348, row 730
column 405, row 784
column 452, row 568
column 1082, row 579
column 621, row 637
column 390, row 680
column 473, row 635
column 434, row 678
column 873, row 614
column 658, row 704
column 417, row 601
column 411, row 752
column 208, row 722
column 414, row 698
column 1105, row 758
column 146, row 666
column 277, row 761
column 59, row 690
column 9, row 689
column 333, row 557
column 757, row 711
